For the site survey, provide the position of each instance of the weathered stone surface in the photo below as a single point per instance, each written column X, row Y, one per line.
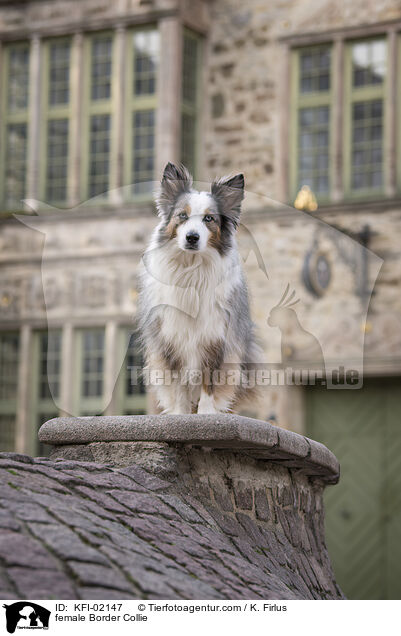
column 207, row 430
column 148, row 440
column 157, row 455
column 17, row 549
column 243, row 495
column 51, row 584
column 125, row 533
column 261, row 504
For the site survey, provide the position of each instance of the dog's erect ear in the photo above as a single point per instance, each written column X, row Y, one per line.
column 176, row 180
column 229, row 192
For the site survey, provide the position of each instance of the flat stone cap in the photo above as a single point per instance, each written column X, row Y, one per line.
column 236, row 433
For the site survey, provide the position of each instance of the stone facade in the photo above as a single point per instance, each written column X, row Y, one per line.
column 80, row 269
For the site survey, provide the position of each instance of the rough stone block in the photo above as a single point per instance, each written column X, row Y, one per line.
column 243, row 495
column 261, row 504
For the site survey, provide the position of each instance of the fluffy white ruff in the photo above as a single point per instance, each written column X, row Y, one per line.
column 191, row 291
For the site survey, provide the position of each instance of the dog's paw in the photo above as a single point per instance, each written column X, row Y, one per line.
column 207, row 410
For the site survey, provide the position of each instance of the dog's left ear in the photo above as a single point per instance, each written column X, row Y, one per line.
column 229, row 192
column 176, row 180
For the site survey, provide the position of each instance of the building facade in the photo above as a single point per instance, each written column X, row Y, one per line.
column 95, row 98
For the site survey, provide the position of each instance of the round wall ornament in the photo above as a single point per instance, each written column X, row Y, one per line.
column 316, row 272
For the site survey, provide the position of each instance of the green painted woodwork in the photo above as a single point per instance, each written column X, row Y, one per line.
column 130, row 392
column 89, row 371
column 89, row 382
column 364, row 119
column 9, row 357
column 311, row 139
column 142, row 61
column 99, row 133
column 97, row 145
column 363, row 511
column 45, row 384
column 56, row 130
column 14, row 105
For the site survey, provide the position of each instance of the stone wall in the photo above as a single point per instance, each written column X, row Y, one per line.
column 246, row 76
column 173, row 507
column 84, row 267
column 246, row 128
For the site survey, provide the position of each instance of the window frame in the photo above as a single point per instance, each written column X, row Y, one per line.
column 49, row 113
column 313, row 99
column 340, row 195
column 19, row 117
column 127, row 404
column 41, row 406
column 85, row 404
column 97, row 107
column 363, row 94
column 132, row 104
column 9, row 406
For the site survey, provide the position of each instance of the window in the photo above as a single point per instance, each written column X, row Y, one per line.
column 364, row 117
column 314, row 158
column 190, row 99
column 103, row 164
column 47, row 378
column 57, row 97
column 14, row 110
column 99, row 113
column 141, row 87
column 312, row 120
column 9, row 356
column 131, row 390
column 90, row 372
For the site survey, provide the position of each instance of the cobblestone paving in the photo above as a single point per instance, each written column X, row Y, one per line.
column 82, row 530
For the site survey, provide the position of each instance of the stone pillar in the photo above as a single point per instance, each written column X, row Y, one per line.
column 76, row 80
column 67, row 369
column 338, row 108
column 110, row 366
column 1, row 75
column 168, row 118
column 35, row 82
column 118, row 127
column 284, row 97
column 390, row 141
column 23, row 434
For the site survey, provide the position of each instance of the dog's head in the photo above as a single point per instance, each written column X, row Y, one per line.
column 199, row 221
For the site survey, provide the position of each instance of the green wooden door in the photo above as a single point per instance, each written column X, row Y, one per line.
column 363, row 512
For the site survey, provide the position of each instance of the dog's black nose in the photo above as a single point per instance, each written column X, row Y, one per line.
column 192, row 238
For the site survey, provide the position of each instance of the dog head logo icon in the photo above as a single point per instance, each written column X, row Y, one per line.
column 26, row 615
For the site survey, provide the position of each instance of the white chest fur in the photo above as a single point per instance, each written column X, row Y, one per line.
column 190, row 292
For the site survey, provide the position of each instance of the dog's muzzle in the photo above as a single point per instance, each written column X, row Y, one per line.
column 192, row 240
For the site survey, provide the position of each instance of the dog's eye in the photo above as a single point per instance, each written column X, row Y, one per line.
column 183, row 216
column 208, row 218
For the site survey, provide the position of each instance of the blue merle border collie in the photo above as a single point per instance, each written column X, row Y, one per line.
column 193, row 311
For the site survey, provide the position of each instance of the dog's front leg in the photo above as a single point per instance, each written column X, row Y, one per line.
column 182, row 404
column 219, row 397
column 174, row 398
column 206, row 401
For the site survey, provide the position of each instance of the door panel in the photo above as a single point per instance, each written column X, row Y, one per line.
column 363, row 512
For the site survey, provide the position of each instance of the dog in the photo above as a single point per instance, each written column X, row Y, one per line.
column 193, row 308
